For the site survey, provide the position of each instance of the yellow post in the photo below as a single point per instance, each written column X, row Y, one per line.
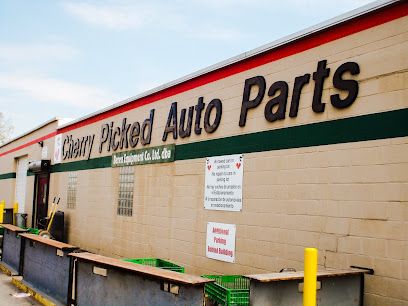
column 2, row 205
column 310, row 278
column 15, row 211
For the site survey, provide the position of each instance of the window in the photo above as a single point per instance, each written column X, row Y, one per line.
column 72, row 189
column 125, row 199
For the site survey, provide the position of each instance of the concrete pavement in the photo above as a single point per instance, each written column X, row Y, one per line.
column 7, row 289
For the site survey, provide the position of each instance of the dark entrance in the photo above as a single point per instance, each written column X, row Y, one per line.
column 42, row 186
column 41, row 169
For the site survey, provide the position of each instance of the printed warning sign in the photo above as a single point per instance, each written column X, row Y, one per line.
column 221, row 241
column 223, row 182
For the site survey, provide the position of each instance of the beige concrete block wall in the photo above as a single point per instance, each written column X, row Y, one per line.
column 7, row 188
column 352, row 214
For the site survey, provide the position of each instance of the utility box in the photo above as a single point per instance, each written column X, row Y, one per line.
column 12, row 248
column 103, row 280
column 8, row 216
column 334, row 288
column 47, row 268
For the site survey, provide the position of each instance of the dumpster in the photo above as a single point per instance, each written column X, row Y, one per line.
column 334, row 288
column 156, row 262
column 103, row 280
column 12, row 248
column 46, row 267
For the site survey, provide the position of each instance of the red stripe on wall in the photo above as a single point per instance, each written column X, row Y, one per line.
column 29, row 143
column 347, row 28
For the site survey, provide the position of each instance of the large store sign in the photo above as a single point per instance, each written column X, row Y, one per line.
column 205, row 116
column 221, row 241
column 153, row 155
column 223, row 182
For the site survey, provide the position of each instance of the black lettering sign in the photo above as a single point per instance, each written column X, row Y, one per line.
column 279, row 101
column 247, row 104
column 348, row 85
column 217, row 105
column 321, row 73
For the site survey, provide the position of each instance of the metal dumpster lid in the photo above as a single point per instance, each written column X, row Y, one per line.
column 141, row 269
column 13, row 228
column 287, row 276
column 57, row 244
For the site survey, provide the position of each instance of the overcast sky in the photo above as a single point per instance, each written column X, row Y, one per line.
column 71, row 58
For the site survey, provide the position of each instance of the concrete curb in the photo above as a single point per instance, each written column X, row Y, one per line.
column 44, row 300
column 6, row 270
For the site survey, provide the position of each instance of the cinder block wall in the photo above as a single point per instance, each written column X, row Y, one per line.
column 349, row 200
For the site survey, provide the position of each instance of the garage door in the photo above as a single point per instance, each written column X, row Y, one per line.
column 21, row 182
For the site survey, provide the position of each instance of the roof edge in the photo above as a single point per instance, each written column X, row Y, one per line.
column 30, row 131
column 251, row 53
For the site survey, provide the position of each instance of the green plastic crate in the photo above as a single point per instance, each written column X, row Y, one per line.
column 228, row 289
column 30, row 230
column 156, row 262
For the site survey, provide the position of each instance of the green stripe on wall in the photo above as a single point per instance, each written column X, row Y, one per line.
column 95, row 163
column 7, row 176
column 362, row 128
column 367, row 127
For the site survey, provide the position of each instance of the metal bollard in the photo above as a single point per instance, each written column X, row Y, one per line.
column 15, row 208
column 310, row 277
column 2, row 205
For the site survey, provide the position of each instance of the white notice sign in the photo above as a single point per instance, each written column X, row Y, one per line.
column 223, row 182
column 221, row 241
column 44, row 152
column 58, row 149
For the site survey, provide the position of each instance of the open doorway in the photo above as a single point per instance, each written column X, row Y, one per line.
column 41, row 169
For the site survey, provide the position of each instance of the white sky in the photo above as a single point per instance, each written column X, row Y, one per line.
column 71, row 58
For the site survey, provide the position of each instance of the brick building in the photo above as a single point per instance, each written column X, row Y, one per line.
column 320, row 121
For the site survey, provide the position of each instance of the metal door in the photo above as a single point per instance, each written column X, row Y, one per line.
column 41, row 198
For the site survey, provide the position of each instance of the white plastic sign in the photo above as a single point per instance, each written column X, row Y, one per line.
column 223, row 182
column 58, row 149
column 221, row 241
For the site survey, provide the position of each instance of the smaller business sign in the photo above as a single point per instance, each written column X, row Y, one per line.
column 57, row 149
column 223, row 182
column 153, row 155
column 221, row 241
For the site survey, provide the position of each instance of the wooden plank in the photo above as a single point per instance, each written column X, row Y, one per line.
column 167, row 275
column 14, row 228
column 287, row 276
column 53, row 243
